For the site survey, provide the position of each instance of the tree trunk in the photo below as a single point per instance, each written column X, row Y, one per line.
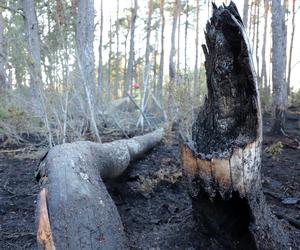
column 257, row 41
column 291, row 47
column 74, row 7
column 285, row 13
column 100, row 66
column 172, row 68
column 245, row 13
column 178, row 39
column 129, row 71
column 279, row 88
column 162, row 52
column 253, row 18
column 196, row 68
column 222, row 163
column 34, row 63
column 186, row 37
column 146, row 71
column 85, row 55
column 109, row 74
column 117, row 70
column 75, row 210
column 4, row 84
column 263, row 76
column 33, row 46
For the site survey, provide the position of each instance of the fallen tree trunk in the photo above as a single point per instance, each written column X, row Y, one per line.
column 222, row 164
column 75, row 210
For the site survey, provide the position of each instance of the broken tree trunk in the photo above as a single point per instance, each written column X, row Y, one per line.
column 222, row 162
column 75, row 210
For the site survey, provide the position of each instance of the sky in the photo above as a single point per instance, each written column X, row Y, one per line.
column 109, row 11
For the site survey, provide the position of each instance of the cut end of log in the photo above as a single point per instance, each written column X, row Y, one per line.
column 44, row 233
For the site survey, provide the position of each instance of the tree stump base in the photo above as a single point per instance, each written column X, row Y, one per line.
column 222, row 162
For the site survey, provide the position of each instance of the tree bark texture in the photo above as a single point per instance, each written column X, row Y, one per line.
column 162, row 52
column 75, row 210
column 129, row 70
column 222, row 162
column 263, row 77
column 100, row 66
column 146, row 71
column 84, row 40
column 117, row 78
column 172, row 67
column 33, row 46
column 196, row 68
column 289, row 70
column 245, row 13
column 4, row 84
column 278, row 68
column 85, row 51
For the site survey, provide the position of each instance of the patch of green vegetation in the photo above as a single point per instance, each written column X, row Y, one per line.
column 147, row 185
column 274, row 150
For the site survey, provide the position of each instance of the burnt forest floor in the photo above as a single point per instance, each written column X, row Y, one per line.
column 151, row 196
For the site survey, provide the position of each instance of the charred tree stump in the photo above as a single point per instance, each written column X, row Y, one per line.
column 74, row 210
column 222, row 162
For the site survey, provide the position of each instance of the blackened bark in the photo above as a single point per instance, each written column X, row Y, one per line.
column 222, row 162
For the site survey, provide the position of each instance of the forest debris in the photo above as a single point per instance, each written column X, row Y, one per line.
column 274, row 150
column 273, row 194
column 292, row 221
column 290, row 201
column 147, row 185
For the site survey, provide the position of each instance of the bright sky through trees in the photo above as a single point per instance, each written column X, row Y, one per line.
column 110, row 10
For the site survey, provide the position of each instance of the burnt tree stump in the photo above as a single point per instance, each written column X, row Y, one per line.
column 222, row 163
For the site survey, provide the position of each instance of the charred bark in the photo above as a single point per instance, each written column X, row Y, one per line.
column 75, row 210
column 222, row 162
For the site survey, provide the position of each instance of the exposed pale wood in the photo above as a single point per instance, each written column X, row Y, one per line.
column 222, row 162
column 44, row 234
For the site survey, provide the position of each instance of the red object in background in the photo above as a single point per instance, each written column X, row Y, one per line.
column 136, row 85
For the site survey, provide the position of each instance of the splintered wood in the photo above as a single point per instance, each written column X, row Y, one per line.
column 44, row 234
column 222, row 162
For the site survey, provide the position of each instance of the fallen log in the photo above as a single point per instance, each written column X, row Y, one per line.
column 74, row 209
column 222, row 162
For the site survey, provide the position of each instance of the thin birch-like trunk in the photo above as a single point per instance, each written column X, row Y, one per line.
column 289, row 70
column 162, row 52
column 129, row 70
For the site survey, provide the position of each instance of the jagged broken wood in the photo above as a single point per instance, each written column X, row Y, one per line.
column 75, row 210
column 222, row 162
